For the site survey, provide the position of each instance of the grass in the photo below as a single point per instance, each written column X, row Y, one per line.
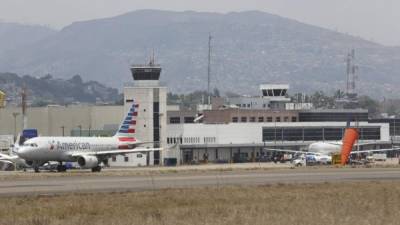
column 308, row 204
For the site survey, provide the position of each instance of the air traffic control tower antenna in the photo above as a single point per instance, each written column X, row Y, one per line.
column 350, row 100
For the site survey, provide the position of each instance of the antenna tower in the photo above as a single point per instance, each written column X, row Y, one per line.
column 209, row 66
column 351, row 75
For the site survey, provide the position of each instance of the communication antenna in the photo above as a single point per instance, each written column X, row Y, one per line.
column 351, row 75
column 209, row 66
column 152, row 58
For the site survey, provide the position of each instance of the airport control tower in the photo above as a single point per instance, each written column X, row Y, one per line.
column 151, row 97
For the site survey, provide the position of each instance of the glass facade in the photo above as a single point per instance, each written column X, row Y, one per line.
column 332, row 116
column 394, row 125
column 315, row 134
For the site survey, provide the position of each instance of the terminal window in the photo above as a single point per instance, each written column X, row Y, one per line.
column 243, row 119
column 189, row 119
column 316, row 134
column 269, row 119
column 260, row 119
column 175, row 120
column 235, row 119
column 370, row 133
column 294, row 119
column 278, row 119
column 252, row 119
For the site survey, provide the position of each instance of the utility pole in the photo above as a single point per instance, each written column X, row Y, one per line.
column 15, row 114
column 209, row 68
column 23, row 103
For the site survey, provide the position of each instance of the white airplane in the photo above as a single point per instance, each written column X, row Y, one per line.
column 6, row 160
column 12, row 159
column 323, row 151
column 89, row 152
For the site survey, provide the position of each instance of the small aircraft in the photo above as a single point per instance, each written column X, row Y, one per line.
column 88, row 152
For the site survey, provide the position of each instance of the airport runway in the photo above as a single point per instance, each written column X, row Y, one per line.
column 109, row 182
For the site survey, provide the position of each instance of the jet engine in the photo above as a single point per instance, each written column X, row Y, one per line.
column 87, row 162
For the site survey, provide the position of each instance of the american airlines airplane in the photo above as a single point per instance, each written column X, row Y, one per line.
column 89, row 152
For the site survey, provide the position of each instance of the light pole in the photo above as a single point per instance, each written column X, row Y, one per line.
column 63, row 129
column 15, row 114
column 80, row 130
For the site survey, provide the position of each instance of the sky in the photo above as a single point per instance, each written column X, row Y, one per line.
column 374, row 20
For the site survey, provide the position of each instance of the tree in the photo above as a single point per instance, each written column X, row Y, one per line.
column 366, row 102
column 216, row 92
column 339, row 94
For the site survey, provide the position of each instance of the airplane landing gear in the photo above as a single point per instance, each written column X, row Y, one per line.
column 96, row 169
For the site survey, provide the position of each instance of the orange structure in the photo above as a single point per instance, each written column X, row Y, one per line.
column 350, row 137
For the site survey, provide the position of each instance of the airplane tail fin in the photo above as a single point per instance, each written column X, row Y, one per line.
column 14, row 148
column 128, row 125
column 349, row 138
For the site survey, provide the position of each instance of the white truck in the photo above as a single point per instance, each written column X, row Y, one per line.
column 377, row 157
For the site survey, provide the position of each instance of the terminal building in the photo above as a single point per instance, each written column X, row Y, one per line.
column 232, row 130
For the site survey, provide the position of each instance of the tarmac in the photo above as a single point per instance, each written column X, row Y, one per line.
column 120, row 180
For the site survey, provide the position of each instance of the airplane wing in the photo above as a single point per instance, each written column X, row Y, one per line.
column 283, row 150
column 116, row 152
column 6, row 161
column 375, row 150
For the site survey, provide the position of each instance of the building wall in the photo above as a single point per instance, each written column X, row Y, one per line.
column 234, row 138
column 182, row 114
column 49, row 121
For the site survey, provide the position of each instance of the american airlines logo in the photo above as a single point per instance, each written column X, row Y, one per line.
column 72, row 146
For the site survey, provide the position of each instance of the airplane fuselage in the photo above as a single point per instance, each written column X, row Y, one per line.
column 62, row 148
column 325, row 148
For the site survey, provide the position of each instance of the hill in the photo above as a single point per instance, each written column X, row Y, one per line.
column 48, row 90
column 13, row 35
column 248, row 48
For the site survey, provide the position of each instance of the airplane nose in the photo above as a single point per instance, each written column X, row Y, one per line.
column 23, row 152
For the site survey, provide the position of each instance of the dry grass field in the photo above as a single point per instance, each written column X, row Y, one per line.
column 301, row 204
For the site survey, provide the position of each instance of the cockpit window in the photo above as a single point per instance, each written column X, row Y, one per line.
column 30, row 145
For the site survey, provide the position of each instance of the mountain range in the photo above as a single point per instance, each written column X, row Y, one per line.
column 248, row 48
